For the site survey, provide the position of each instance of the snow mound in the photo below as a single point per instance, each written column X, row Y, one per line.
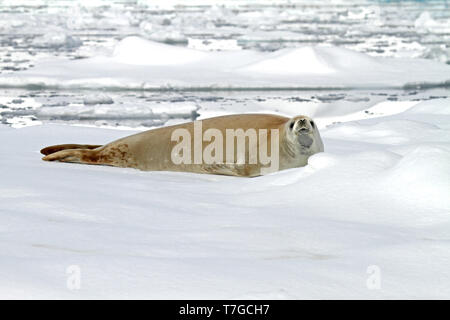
column 135, row 50
column 292, row 61
column 322, row 160
column 425, row 170
column 141, row 64
column 341, row 58
column 387, row 132
column 437, row 106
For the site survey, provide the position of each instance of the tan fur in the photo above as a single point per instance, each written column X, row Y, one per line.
column 151, row 150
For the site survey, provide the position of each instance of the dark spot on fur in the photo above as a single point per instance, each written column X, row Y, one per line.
column 118, row 155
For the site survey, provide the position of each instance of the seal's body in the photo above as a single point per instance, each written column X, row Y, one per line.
column 153, row 150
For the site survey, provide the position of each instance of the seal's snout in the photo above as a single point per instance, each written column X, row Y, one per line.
column 303, row 126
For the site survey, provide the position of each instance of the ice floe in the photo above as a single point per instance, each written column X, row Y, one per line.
column 145, row 65
column 377, row 196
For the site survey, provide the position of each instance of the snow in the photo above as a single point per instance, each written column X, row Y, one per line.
column 134, row 50
column 375, row 201
column 137, row 63
column 377, row 196
column 302, row 60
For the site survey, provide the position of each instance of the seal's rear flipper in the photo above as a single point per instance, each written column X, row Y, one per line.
column 74, row 155
column 52, row 149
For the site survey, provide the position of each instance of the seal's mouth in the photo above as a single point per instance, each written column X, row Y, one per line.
column 303, row 130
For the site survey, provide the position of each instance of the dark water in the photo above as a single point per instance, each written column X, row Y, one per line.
column 150, row 109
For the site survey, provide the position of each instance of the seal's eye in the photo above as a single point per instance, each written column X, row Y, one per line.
column 291, row 126
column 312, row 123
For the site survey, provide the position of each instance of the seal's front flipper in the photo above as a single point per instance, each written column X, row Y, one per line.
column 52, row 149
column 74, row 155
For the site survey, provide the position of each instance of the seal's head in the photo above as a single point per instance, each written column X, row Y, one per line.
column 301, row 125
column 303, row 132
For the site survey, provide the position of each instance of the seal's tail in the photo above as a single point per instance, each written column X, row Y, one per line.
column 78, row 153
